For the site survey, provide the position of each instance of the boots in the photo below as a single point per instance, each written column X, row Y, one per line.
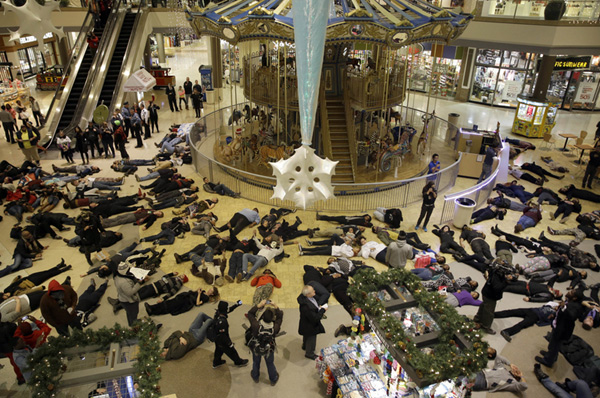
column 207, row 276
column 116, row 304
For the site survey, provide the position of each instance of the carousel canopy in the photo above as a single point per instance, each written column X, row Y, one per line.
column 396, row 23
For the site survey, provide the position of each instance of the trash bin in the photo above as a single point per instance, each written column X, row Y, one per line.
column 463, row 209
column 452, row 126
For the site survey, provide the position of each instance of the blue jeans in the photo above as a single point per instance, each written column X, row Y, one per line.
column 105, row 185
column 221, row 189
column 20, row 262
column 257, row 261
column 526, row 222
column 423, row 273
column 165, row 204
column 207, row 255
column 581, row 388
column 16, row 211
column 269, row 360
column 199, row 327
column 169, row 146
column 164, row 237
column 235, row 264
column 321, row 292
column 150, row 176
column 486, row 171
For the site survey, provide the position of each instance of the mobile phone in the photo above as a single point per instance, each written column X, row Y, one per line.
column 25, row 318
column 239, row 302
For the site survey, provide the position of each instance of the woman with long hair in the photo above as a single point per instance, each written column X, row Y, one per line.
column 81, row 144
column 429, row 196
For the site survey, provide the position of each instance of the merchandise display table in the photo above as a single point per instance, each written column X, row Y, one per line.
column 361, row 367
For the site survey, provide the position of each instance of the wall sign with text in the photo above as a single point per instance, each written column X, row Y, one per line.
column 567, row 63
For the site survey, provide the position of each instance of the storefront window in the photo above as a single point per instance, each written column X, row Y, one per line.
column 5, row 66
column 445, row 76
column 33, row 61
column 489, row 57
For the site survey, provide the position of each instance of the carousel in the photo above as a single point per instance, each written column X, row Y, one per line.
column 360, row 121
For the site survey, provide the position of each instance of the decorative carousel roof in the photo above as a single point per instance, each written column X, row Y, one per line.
column 396, row 23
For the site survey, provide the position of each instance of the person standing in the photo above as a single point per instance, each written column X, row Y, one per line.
column 429, row 197
column 127, row 287
column 433, row 167
column 136, row 126
column 592, row 167
column 172, row 97
column 81, row 145
column 126, row 117
column 145, row 116
column 181, row 94
column 58, row 307
column 197, row 103
column 7, row 344
column 491, row 293
column 153, row 112
column 27, row 140
column 106, row 135
column 262, row 341
column 92, row 132
column 64, row 144
column 28, row 249
column 8, row 123
column 37, row 113
column 488, row 162
column 310, row 324
column 188, row 89
column 120, row 139
column 223, row 343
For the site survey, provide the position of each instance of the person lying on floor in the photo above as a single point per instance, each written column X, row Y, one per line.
column 554, row 166
column 180, row 343
column 562, row 274
column 341, row 230
column 532, row 215
column 503, row 376
column 335, row 246
column 176, row 227
column 533, row 292
column 461, row 298
column 412, row 238
column 183, row 302
column 477, row 241
column 566, row 208
column 448, row 244
column 264, row 286
column 362, row 220
column 519, row 174
column 513, row 189
column 487, row 213
column 572, row 192
column 541, row 316
column 562, row 390
column 536, row 169
column 80, row 170
column 107, row 239
column 29, row 283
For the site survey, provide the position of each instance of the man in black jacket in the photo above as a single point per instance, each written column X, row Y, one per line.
column 262, row 342
column 492, row 292
column 172, row 96
column 89, row 228
column 153, row 111
column 187, row 88
column 310, row 324
column 223, row 343
column 27, row 250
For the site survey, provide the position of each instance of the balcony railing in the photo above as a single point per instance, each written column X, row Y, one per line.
column 576, row 10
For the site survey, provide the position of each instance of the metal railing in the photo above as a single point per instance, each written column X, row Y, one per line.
column 259, row 188
column 576, row 10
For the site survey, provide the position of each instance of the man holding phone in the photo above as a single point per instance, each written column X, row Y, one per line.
column 32, row 338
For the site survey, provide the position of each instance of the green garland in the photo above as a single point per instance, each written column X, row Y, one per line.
column 446, row 362
column 46, row 362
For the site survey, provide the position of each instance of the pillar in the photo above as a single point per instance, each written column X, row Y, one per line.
column 160, row 45
column 216, row 61
column 64, row 51
column 543, row 78
column 147, row 55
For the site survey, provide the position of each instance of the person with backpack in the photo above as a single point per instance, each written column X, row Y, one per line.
column 218, row 332
column 261, row 340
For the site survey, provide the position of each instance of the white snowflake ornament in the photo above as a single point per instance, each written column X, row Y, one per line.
column 35, row 20
column 304, row 178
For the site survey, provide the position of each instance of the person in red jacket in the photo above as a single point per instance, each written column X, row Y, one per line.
column 30, row 336
column 58, row 307
column 264, row 286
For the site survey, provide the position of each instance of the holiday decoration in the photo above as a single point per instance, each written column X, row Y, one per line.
column 310, row 24
column 445, row 359
column 47, row 365
column 35, row 20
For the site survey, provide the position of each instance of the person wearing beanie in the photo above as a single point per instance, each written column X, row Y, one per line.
column 223, row 343
column 262, row 342
column 398, row 252
column 180, row 343
column 33, row 338
column 58, row 307
column 127, row 291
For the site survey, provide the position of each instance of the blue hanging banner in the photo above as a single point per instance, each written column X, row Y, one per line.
column 310, row 25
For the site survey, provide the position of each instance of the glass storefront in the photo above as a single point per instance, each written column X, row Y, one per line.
column 33, row 61
column 446, row 71
column 500, row 76
column 5, row 67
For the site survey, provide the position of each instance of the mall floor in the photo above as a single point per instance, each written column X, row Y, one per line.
column 298, row 376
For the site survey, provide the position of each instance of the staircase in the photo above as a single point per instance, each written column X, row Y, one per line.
column 340, row 147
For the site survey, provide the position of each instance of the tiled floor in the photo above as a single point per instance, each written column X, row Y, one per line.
column 299, row 375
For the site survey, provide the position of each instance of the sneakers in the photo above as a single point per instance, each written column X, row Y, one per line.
column 245, row 277
column 506, row 336
column 311, row 233
column 228, row 278
column 137, row 178
column 216, row 365
column 242, row 364
column 539, row 374
column 425, row 229
column 300, row 253
column 416, row 228
column 564, row 219
column 309, row 242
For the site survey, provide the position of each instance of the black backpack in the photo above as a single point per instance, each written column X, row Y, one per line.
column 263, row 343
column 213, row 329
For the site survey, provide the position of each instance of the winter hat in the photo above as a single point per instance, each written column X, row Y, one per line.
column 223, row 307
column 123, row 268
column 185, row 278
column 25, row 328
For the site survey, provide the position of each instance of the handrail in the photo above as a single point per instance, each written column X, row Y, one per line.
column 349, row 197
column 349, row 115
column 325, row 132
column 106, row 44
column 75, row 58
column 122, row 78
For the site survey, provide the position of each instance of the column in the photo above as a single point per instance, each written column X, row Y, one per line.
column 63, row 51
column 160, row 45
column 216, row 61
column 543, row 78
column 147, row 60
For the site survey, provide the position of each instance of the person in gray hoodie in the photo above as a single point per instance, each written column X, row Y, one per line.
column 127, row 287
column 398, row 252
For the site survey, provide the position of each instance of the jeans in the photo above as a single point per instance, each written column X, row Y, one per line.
column 199, row 327
column 554, row 389
column 321, row 292
column 108, row 147
column 168, row 146
column 221, row 189
column 19, row 262
column 132, row 310
column 270, row 361
column 486, row 171
column 164, row 237
column 423, row 273
column 150, row 176
column 235, row 264
column 106, row 185
column 526, row 222
column 257, row 261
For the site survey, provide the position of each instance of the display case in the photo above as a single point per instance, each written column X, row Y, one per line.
column 534, row 118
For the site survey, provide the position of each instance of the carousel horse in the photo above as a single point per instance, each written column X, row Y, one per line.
column 231, row 150
column 235, row 117
column 272, row 153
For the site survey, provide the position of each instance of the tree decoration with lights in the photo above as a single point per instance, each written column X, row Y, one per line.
column 47, row 363
column 305, row 177
column 445, row 361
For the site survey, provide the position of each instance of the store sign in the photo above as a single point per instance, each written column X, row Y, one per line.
column 566, row 63
column 31, row 39
column 585, row 92
column 511, row 90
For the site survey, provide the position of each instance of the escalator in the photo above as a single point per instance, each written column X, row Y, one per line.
column 118, row 57
column 74, row 95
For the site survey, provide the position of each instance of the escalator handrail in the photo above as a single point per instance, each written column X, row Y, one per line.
column 97, row 62
column 81, row 43
column 121, row 80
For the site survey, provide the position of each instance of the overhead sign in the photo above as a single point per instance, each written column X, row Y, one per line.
column 566, row 63
column 140, row 81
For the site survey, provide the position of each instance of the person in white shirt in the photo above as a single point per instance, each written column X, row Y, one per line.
column 376, row 250
column 145, row 116
column 265, row 254
column 337, row 246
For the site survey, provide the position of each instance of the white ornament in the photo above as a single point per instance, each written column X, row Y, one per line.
column 35, row 20
column 303, row 178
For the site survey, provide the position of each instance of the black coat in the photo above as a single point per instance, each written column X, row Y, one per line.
column 7, row 339
column 310, row 318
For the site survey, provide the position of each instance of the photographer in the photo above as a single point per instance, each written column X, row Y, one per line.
column 429, row 197
column 498, row 276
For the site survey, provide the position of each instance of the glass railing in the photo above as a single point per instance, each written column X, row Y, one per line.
column 576, row 10
column 211, row 130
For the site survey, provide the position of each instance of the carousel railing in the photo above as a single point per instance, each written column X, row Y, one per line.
column 264, row 84
column 367, row 91
column 259, row 188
